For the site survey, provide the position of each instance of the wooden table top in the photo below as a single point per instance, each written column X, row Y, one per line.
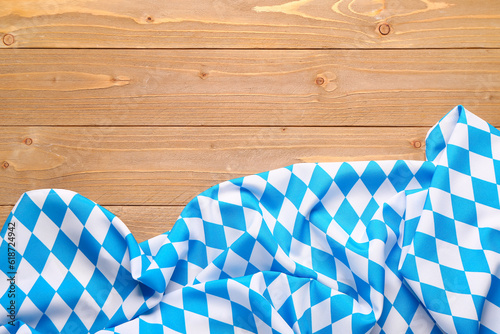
column 142, row 105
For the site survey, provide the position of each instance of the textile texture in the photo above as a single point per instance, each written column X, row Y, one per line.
column 387, row 246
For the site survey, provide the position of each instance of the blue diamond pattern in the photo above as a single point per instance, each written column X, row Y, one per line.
column 358, row 247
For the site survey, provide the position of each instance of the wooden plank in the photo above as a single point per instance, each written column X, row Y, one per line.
column 145, row 222
column 4, row 213
column 170, row 165
column 250, row 24
column 241, row 87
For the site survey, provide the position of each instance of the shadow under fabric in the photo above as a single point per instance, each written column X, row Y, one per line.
column 387, row 246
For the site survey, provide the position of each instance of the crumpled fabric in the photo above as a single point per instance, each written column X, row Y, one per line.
column 379, row 247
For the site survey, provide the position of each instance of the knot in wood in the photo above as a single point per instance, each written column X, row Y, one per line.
column 320, row 81
column 384, row 29
column 8, row 39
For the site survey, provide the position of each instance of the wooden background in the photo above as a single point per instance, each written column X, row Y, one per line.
column 141, row 105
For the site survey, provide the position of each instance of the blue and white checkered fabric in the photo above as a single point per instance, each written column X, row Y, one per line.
column 380, row 247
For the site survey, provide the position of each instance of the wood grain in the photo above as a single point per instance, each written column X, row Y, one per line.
column 249, row 24
column 170, row 165
column 145, row 222
column 240, row 87
column 142, row 105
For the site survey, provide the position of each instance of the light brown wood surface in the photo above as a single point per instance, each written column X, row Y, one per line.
column 242, row 88
column 142, row 105
column 171, row 165
column 286, row 24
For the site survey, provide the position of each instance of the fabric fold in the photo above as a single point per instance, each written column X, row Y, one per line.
column 375, row 246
